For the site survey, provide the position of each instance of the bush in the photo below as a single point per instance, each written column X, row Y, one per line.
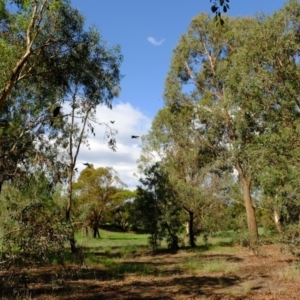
column 290, row 237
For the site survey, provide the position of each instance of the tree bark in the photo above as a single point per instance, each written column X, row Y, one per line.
column 68, row 212
column 31, row 35
column 69, row 200
column 191, row 227
column 173, row 237
column 250, row 211
column 277, row 220
column 96, row 232
column 187, row 228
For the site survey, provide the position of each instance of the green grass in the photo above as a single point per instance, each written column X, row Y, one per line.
column 291, row 272
column 110, row 241
column 111, row 246
column 108, row 262
column 219, row 265
column 194, row 266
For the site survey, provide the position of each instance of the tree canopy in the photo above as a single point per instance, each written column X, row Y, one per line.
column 239, row 85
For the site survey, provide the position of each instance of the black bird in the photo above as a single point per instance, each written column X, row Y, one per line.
column 112, row 122
column 134, row 136
column 88, row 165
column 56, row 111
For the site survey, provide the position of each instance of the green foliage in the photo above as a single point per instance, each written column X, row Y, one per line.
column 234, row 216
column 291, row 239
column 197, row 178
column 48, row 60
column 158, row 209
column 96, row 195
column 55, row 49
column 242, row 91
column 124, row 214
column 47, row 56
column 33, row 227
column 112, row 242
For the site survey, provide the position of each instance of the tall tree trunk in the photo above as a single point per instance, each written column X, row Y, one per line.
column 187, row 228
column 68, row 212
column 73, row 159
column 250, row 211
column 191, row 227
column 277, row 220
column 69, row 199
column 173, row 237
column 153, row 240
column 96, row 232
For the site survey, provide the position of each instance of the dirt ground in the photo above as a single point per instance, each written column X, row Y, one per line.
column 272, row 274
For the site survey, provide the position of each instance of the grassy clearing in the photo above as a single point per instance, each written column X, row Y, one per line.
column 110, row 241
column 121, row 266
column 116, row 251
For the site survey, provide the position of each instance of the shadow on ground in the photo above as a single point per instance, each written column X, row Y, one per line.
column 100, row 284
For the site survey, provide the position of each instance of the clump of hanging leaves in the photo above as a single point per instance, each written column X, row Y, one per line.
column 219, row 7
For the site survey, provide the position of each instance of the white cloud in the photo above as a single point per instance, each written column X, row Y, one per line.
column 127, row 121
column 154, row 42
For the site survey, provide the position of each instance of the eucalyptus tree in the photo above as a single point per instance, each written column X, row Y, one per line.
column 26, row 140
column 89, row 91
column 41, row 41
column 47, row 57
column 264, row 77
column 242, row 80
column 49, row 60
column 74, row 131
column 200, row 62
column 190, row 165
column 279, row 193
column 95, row 191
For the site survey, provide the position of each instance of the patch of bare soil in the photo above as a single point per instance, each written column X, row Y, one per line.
column 185, row 275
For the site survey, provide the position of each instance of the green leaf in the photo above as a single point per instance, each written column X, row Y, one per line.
column 214, row 8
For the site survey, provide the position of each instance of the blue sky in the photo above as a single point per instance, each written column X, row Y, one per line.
column 147, row 31
column 130, row 23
